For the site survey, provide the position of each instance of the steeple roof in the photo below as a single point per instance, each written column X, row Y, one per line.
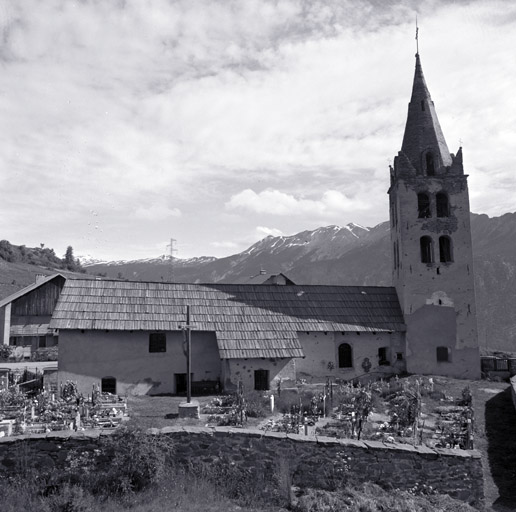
column 423, row 132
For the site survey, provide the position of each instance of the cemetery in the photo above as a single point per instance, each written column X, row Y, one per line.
column 44, row 410
column 410, row 410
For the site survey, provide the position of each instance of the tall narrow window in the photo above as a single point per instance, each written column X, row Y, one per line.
column 423, row 105
column 345, row 356
column 445, row 249
column 442, row 205
column 423, row 205
column 427, row 252
column 430, row 168
column 383, row 357
column 443, row 354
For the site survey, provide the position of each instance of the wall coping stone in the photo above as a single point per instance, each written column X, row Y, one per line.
column 301, row 438
column 330, row 441
column 351, row 442
column 401, row 447
column 65, row 435
column 189, row 429
column 450, row 452
column 276, row 435
column 422, row 449
column 379, row 445
column 170, row 430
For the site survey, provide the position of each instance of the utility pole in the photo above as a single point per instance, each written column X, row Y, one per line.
column 172, row 249
column 188, row 409
column 187, row 349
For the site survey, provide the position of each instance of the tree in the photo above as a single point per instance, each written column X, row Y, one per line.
column 69, row 260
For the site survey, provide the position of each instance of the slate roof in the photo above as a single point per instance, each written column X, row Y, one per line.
column 249, row 320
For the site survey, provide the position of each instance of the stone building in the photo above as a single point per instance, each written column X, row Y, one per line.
column 126, row 336
column 431, row 245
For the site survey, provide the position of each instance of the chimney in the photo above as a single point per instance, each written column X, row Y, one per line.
column 263, row 272
column 40, row 277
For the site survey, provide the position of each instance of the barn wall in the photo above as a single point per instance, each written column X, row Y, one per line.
column 242, row 370
column 321, row 351
column 87, row 357
column 39, row 302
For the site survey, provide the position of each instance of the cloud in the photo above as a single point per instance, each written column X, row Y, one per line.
column 290, row 108
column 262, row 231
column 156, row 212
column 274, row 202
column 225, row 245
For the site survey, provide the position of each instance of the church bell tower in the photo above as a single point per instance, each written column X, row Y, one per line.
column 431, row 245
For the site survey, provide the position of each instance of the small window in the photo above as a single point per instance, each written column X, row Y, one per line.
column 399, row 356
column 42, row 342
column 157, row 342
column 423, row 206
column 345, row 356
column 382, row 357
column 442, row 205
column 261, row 380
column 426, row 249
column 430, row 167
column 12, row 341
column 445, row 249
column 108, row 385
column 443, row 355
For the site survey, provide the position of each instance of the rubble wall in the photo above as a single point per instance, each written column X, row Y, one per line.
column 513, row 390
column 313, row 461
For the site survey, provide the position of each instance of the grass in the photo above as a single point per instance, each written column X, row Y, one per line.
column 185, row 493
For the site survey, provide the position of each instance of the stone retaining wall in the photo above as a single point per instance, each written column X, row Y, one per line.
column 513, row 390
column 313, row 461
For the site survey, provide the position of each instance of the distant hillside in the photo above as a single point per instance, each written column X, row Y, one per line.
column 19, row 265
column 355, row 255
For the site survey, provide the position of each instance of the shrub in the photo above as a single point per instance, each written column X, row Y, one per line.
column 5, row 352
column 46, row 354
column 257, row 404
column 131, row 461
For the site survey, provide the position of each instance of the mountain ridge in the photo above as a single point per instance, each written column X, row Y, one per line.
column 349, row 255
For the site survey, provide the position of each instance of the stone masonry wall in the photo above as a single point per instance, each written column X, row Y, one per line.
column 313, row 461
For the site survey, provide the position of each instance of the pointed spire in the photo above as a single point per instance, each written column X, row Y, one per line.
column 423, row 142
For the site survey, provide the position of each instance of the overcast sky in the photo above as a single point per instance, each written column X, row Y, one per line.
column 126, row 123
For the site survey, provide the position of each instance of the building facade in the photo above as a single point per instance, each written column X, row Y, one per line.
column 431, row 245
column 126, row 336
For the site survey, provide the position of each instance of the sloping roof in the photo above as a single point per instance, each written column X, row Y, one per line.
column 264, row 278
column 29, row 330
column 28, row 289
column 249, row 320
